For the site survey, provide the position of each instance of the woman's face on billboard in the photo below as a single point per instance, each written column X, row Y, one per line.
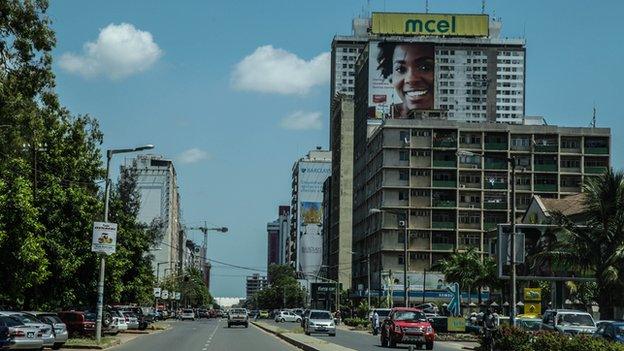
column 413, row 75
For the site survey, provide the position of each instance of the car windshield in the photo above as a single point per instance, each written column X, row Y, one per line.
column 409, row 316
column 89, row 316
column 320, row 315
column 382, row 313
column 26, row 318
column 238, row 310
column 575, row 319
column 10, row 321
column 51, row 319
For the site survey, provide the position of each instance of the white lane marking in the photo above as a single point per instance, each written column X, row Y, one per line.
column 210, row 337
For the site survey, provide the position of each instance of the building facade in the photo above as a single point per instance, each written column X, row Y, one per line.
column 273, row 242
column 255, row 283
column 284, row 232
column 450, row 182
column 160, row 204
column 305, row 241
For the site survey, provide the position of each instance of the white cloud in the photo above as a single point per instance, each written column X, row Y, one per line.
column 119, row 51
column 271, row 70
column 300, row 120
column 193, row 155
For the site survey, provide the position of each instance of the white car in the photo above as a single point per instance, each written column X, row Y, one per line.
column 320, row 322
column 187, row 314
column 119, row 321
column 287, row 316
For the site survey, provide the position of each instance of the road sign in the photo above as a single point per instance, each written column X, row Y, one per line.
column 456, row 324
column 532, row 294
column 164, row 294
column 533, row 308
column 157, row 292
column 454, row 304
column 104, row 238
column 177, row 296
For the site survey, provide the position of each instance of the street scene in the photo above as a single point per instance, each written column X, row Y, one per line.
column 320, row 176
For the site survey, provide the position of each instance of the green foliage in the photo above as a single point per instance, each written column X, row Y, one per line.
column 190, row 284
column 356, row 322
column 362, row 309
column 284, row 290
column 514, row 339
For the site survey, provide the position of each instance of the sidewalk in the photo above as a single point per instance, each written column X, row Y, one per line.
column 301, row 341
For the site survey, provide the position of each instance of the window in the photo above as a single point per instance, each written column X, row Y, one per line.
column 403, row 195
column 403, row 155
column 403, row 175
column 401, row 260
column 404, row 135
column 420, row 213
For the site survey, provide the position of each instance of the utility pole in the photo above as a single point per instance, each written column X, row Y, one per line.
column 512, row 315
column 368, row 273
column 405, row 259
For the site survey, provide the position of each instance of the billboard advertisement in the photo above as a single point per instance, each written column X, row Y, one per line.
column 450, row 25
column 401, row 79
column 310, row 215
column 394, row 281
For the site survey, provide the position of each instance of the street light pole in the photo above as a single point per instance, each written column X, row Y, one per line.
column 369, row 278
column 512, row 315
column 405, row 261
column 100, row 291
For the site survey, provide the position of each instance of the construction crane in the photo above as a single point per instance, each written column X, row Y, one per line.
column 205, row 229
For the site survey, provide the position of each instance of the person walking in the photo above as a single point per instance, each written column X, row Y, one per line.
column 375, row 323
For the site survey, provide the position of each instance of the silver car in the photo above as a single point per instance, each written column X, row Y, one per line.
column 287, row 316
column 320, row 322
column 60, row 329
column 131, row 319
column 47, row 334
column 24, row 336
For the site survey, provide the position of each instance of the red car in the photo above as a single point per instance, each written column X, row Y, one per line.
column 78, row 322
column 407, row 326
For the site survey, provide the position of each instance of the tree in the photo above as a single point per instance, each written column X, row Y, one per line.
column 598, row 246
column 283, row 291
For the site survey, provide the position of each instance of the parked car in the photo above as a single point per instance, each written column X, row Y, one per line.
column 407, row 325
column 23, row 336
column 570, row 322
column 528, row 324
column 320, row 321
column 47, row 332
column 612, row 331
column 263, row 314
column 60, row 329
column 429, row 308
column 187, row 314
column 131, row 319
column 6, row 341
column 78, row 322
column 298, row 311
column 238, row 316
column 119, row 321
column 138, row 312
column 287, row 316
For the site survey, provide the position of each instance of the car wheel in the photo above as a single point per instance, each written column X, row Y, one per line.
column 299, row 320
column 430, row 346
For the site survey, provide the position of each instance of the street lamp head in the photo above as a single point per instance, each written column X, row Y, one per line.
column 144, row 147
column 223, row 229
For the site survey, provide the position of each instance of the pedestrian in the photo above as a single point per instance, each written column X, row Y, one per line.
column 375, row 323
column 337, row 317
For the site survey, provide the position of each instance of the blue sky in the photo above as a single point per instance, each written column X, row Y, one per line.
column 176, row 76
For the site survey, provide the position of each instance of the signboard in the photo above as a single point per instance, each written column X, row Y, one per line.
column 532, row 294
column 104, row 238
column 533, row 308
column 164, row 294
column 430, row 24
column 157, row 292
column 177, row 296
column 311, row 176
column 435, row 281
column 456, row 324
column 454, row 305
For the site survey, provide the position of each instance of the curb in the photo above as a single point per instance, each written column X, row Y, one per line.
column 298, row 343
column 93, row 347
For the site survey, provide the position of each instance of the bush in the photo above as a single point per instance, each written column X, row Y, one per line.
column 515, row 339
column 356, row 322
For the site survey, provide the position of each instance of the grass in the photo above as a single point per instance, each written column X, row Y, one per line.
column 105, row 341
column 158, row 326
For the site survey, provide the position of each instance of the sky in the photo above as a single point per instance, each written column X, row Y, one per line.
column 235, row 91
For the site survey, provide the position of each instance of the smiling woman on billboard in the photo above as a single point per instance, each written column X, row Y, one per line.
column 409, row 67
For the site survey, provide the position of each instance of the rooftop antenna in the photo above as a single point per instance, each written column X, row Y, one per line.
column 593, row 123
column 426, row 6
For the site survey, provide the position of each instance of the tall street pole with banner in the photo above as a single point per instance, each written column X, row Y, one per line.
column 104, row 243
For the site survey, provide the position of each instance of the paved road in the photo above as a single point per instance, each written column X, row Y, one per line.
column 362, row 341
column 207, row 335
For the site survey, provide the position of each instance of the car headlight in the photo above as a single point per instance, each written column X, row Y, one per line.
column 428, row 330
column 331, row 324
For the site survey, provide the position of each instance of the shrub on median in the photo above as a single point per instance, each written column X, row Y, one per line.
column 356, row 322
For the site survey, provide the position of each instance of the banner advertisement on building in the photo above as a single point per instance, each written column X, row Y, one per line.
column 310, row 215
column 434, row 281
column 401, row 79
column 430, row 24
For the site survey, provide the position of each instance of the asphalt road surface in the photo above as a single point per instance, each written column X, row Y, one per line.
column 362, row 341
column 207, row 335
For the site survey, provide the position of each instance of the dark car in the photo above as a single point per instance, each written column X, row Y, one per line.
column 407, row 326
column 78, row 322
column 612, row 331
column 5, row 338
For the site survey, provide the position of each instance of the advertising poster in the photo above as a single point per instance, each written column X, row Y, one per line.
column 401, row 79
column 435, row 281
column 104, row 238
column 312, row 175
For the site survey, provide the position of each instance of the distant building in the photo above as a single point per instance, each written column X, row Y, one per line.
column 273, row 236
column 255, row 283
column 160, row 203
column 284, row 232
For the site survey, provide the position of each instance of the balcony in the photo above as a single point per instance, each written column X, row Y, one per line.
column 545, row 187
column 437, row 224
column 442, row 247
column 446, row 143
column 495, row 205
column 444, row 163
column 495, row 146
column 597, row 150
column 595, row 169
column 495, row 165
column 547, row 167
column 545, row 148
column 489, row 225
column 444, row 203
column 444, row 184
column 496, row 185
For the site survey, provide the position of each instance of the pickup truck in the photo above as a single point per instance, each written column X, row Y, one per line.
column 238, row 316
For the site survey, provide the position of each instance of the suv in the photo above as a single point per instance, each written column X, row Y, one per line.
column 570, row 322
column 407, row 326
column 238, row 316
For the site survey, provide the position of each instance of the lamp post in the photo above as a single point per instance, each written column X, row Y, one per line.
column 405, row 245
column 511, row 160
column 100, row 299
column 205, row 229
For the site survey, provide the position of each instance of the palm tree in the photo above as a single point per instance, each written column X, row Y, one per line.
column 598, row 246
column 464, row 268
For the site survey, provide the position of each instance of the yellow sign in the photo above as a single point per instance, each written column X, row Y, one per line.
column 430, row 24
column 456, row 324
column 533, row 308
column 532, row 294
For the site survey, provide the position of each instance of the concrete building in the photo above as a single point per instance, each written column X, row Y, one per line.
column 305, row 241
column 273, row 244
column 410, row 169
column 284, row 232
column 344, row 53
column 255, row 283
column 160, row 204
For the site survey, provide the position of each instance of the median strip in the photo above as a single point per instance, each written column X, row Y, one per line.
column 301, row 341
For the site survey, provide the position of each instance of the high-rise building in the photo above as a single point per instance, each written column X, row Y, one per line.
column 344, row 53
column 255, row 283
column 284, row 232
column 308, row 175
column 449, row 182
column 273, row 244
column 160, row 204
